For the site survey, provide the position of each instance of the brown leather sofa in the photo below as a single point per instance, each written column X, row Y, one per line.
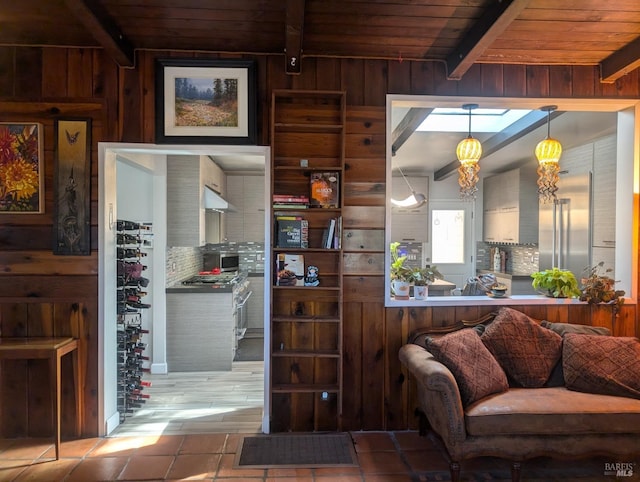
column 519, row 423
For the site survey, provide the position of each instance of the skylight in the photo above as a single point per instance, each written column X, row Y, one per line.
column 482, row 120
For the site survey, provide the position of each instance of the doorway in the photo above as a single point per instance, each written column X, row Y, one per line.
column 150, row 162
column 451, row 246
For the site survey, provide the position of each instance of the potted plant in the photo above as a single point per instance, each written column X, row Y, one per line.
column 400, row 274
column 421, row 278
column 556, row 283
column 599, row 288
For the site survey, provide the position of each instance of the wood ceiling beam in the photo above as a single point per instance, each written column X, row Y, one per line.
column 293, row 36
column 482, row 34
column 104, row 29
column 512, row 133
column 407, row 126
column 621, row 62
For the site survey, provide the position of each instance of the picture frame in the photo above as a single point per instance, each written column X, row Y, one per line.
column 72, row 187
column 205, row 101
column 21, row 168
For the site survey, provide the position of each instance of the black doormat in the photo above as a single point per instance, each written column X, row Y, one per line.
column 296, row 450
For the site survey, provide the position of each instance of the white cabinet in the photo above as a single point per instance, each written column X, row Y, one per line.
column 186, row 217
column 604, row 193
column 213, row 176
column 246, row 221
column 510, row 210
column 409, row 224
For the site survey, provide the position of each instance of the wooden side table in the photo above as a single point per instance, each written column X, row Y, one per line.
column 52, row 349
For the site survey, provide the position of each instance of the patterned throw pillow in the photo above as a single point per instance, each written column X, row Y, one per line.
column 526, row 351
column 476, row 371
column 606, row 365
column 564, row 328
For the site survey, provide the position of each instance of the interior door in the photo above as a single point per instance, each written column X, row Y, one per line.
column 450, row 245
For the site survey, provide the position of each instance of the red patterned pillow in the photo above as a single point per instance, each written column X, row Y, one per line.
column 597, row 364
column 476, row 371
column 526, row 351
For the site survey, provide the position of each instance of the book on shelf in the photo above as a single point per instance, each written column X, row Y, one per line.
column 290, row 198
column 292, row 232
column 289, row 269
column 290, row 206
column 332, row 234
column 324, row 189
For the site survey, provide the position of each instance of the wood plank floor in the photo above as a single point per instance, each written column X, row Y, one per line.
column 200, row 402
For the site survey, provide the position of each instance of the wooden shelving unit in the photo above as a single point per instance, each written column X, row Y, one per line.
column 307, row 135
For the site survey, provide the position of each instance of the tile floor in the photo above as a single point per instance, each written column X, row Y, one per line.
column 382, row 456
column 182, row 435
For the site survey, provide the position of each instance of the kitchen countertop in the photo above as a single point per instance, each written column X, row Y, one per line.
column 500, row 274
column 207, row 289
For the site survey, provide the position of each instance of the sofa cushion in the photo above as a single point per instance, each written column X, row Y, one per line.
column 474, row 368
column 608, row 365
column 557, row 375
column 526, row 351
column 552, row 411
column 563, row 328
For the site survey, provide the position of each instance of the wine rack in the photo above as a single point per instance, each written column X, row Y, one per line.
column 131, row 240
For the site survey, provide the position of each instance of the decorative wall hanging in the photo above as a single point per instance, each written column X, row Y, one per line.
column 200, row 101
column 548, row 152
column 21, row 168
column 468, row 152
column 72, row 187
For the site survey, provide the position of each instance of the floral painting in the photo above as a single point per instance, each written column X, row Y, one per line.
column 21, row 188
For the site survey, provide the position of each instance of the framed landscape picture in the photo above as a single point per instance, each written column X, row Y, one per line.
column 21, row 168
column 201, row 101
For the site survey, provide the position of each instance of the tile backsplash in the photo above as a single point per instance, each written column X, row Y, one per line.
column 182, row 263
column 522, row 259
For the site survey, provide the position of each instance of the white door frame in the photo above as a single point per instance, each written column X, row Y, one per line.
column 152, row 158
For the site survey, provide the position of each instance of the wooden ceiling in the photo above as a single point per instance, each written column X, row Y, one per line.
column 456, row 32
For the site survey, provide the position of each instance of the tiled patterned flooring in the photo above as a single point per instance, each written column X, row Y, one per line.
column 382, row 456
column 187, row 434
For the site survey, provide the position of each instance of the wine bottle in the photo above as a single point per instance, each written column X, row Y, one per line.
column 124, row 225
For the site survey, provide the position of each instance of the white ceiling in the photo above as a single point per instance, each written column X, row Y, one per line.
column 426, row 152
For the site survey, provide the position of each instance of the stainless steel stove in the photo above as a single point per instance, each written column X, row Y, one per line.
column 221, row 279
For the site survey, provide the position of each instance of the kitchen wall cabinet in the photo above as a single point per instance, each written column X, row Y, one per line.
column 510, row 209
column 246, row 221
column 604, row 194
column 308, row 136
column 409, row 224
column 186, row 217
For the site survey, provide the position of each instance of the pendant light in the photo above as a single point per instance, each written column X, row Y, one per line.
column 468, row 152
column 548, row 152
column 414, row 200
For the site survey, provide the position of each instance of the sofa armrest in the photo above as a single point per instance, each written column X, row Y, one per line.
column 438, row 394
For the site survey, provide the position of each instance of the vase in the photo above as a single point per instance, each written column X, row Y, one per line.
column 420, row 292
column 400, row 290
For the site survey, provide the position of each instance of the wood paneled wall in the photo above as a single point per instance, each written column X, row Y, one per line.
column 45, row 294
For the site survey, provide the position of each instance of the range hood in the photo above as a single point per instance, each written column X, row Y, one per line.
column 213, row 200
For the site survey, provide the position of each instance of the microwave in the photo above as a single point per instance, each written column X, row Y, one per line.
column 225, row 261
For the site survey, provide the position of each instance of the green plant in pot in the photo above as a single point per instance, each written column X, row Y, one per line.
column 421, row 277
column 424, row 276
column 598, row 287
column 556, row 283
column 400, row 274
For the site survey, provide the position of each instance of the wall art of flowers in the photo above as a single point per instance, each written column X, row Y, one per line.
column 21, row 188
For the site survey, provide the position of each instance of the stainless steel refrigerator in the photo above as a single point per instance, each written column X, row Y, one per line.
column 564, row 230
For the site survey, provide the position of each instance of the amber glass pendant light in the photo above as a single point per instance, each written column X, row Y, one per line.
column 548, row 152
column 468, row 152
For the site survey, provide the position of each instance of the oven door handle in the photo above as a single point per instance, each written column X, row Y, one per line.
column 244, row 300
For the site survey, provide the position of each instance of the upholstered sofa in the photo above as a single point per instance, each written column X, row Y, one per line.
column 552, row 410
